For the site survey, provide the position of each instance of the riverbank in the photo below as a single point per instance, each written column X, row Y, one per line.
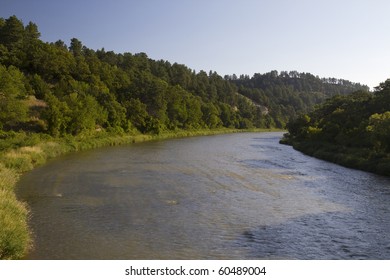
column 356, row 158
column 15, row 236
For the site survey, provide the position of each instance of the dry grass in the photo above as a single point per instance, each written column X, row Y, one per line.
column 8, row 178
column 24, row 158
column 32, row 101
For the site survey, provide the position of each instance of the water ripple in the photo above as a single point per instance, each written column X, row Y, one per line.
column 240, row 196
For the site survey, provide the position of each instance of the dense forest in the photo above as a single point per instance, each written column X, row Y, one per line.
column 289, row 93
column 352, row 130
column 59, row 90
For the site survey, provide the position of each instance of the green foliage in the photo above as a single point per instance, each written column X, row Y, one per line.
column 379, row 129
column 352, row 130
column 288, row 94
column 85, row 114
column 211, row 115
column 12, row 91
column 126, row 91
column 137, row 114
column 12, row 140
column 12, row 82
column 39, row 87
column 11, row 32
column 14, row 235
column 183, row 109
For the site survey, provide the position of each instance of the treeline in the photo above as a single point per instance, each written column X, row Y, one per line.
column 352, row 130
column 83, row 89
column 68, row 90
column 287, row 94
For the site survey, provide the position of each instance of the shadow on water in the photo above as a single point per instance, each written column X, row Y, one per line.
column 321, row 236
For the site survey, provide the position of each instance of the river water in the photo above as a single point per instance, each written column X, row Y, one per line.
column 236, row 196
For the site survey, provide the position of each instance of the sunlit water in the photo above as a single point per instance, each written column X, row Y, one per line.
column 238, row 196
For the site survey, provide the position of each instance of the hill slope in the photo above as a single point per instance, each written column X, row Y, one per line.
column 88, row 90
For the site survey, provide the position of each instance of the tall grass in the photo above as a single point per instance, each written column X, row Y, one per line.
column 15, row 239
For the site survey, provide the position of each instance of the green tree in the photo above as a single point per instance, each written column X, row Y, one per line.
column 76, row 47
column 176, row 108
column 211, row 115
column 12, row 92
column 85, row 113
column 379, row 128
column 56, row 114
column 227, row 115
column 183, row 109
column 12, row 32
column 136, row 113
column 4, row 54
column 151, row 92
column 194, row 112
column 39, row 86
column 31, row 33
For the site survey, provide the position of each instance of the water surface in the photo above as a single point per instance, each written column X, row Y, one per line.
column 238, row 196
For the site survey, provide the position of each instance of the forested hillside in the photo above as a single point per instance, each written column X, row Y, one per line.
column 60, row 90
column 287, row 94
column 353, row 130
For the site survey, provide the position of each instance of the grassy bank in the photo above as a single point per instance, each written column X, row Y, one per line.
column 22, row 153
column 356, row 158
column 14, row 234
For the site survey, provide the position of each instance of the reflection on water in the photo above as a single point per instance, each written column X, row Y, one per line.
column 239, row 196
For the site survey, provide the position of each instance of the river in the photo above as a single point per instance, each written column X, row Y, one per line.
column 236, row 196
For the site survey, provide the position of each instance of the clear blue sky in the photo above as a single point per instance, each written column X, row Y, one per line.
column 331, row 38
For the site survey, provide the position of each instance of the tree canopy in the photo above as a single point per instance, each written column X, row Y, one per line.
column 353, row 130
column 83, row 90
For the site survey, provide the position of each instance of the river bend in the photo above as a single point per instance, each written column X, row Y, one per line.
column 236, row 196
